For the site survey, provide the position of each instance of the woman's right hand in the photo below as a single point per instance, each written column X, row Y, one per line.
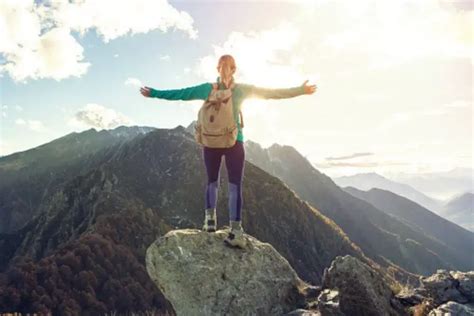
column 145, row 91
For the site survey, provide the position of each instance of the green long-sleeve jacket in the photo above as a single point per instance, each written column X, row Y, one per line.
column 240, row 93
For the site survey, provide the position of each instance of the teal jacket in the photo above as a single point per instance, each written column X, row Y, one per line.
column 239, row 94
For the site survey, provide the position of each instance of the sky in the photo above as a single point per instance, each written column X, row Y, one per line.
column 394, row 78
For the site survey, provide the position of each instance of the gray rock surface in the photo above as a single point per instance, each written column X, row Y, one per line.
column 443, row 287
column 200, row 275
column 453, row 309
column 362, row 290
column 466, row 283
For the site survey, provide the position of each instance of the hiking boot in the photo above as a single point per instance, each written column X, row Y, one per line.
column 210, row 221
column 236, row 238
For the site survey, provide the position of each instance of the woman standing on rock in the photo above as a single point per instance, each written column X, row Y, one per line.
column 235, row 155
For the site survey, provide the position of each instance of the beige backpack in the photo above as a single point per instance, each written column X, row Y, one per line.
column 216, row 127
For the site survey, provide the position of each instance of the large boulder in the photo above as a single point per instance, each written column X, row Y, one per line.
column 200, row 275
column 362, row 290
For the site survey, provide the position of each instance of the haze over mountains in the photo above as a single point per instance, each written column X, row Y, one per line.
column 70, row 201
column 367, row 181
column 458, row 209
column 441, row 185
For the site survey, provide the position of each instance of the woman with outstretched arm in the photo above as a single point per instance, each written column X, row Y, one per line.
column 235, row 155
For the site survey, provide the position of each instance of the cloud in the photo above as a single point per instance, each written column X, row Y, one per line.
column 133, row 82
column 354, row 155
column 36, row 40
column 98, row 116
column 399, row 31
column 165, row 57
column 33, row 125
column 107, row 17
column 31, row 50
column 56, row 55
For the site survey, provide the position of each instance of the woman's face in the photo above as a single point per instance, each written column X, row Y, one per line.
column 225, row 70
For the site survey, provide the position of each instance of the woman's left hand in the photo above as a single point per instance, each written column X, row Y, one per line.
column 309, row 89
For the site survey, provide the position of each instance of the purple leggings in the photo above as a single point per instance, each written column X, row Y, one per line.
column 234, row 161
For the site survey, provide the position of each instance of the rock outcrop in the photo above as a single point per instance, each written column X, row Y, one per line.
column 453, row 309
column 362, row 290
column 444, row 286
column 200, row 275
column 443, row 293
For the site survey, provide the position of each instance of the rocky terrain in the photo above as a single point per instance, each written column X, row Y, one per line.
column 199, row 275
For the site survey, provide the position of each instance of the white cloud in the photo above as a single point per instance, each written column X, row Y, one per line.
column 18, row 108
column 36, row 40
column 108, row 17
column 165, row 57
column 34, row 125
column 56, row 54
column 98, row 116
column 133, row 82
column 116, row 55
column 32, row 51
column 390, row 33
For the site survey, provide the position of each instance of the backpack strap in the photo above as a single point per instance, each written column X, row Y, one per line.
column 215, row 86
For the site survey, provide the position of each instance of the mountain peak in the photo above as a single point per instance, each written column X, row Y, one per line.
column 199, row 274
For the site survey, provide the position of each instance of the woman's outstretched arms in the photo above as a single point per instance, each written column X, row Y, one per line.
column 268, row 93
column 199, row 92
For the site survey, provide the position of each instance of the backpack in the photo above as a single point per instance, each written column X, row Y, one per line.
column 216, row 127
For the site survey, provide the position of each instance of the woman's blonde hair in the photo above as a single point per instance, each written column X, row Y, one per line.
column 226, row 66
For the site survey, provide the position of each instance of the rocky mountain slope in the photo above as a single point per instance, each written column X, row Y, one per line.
column 30, row 177
column 89, row 236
